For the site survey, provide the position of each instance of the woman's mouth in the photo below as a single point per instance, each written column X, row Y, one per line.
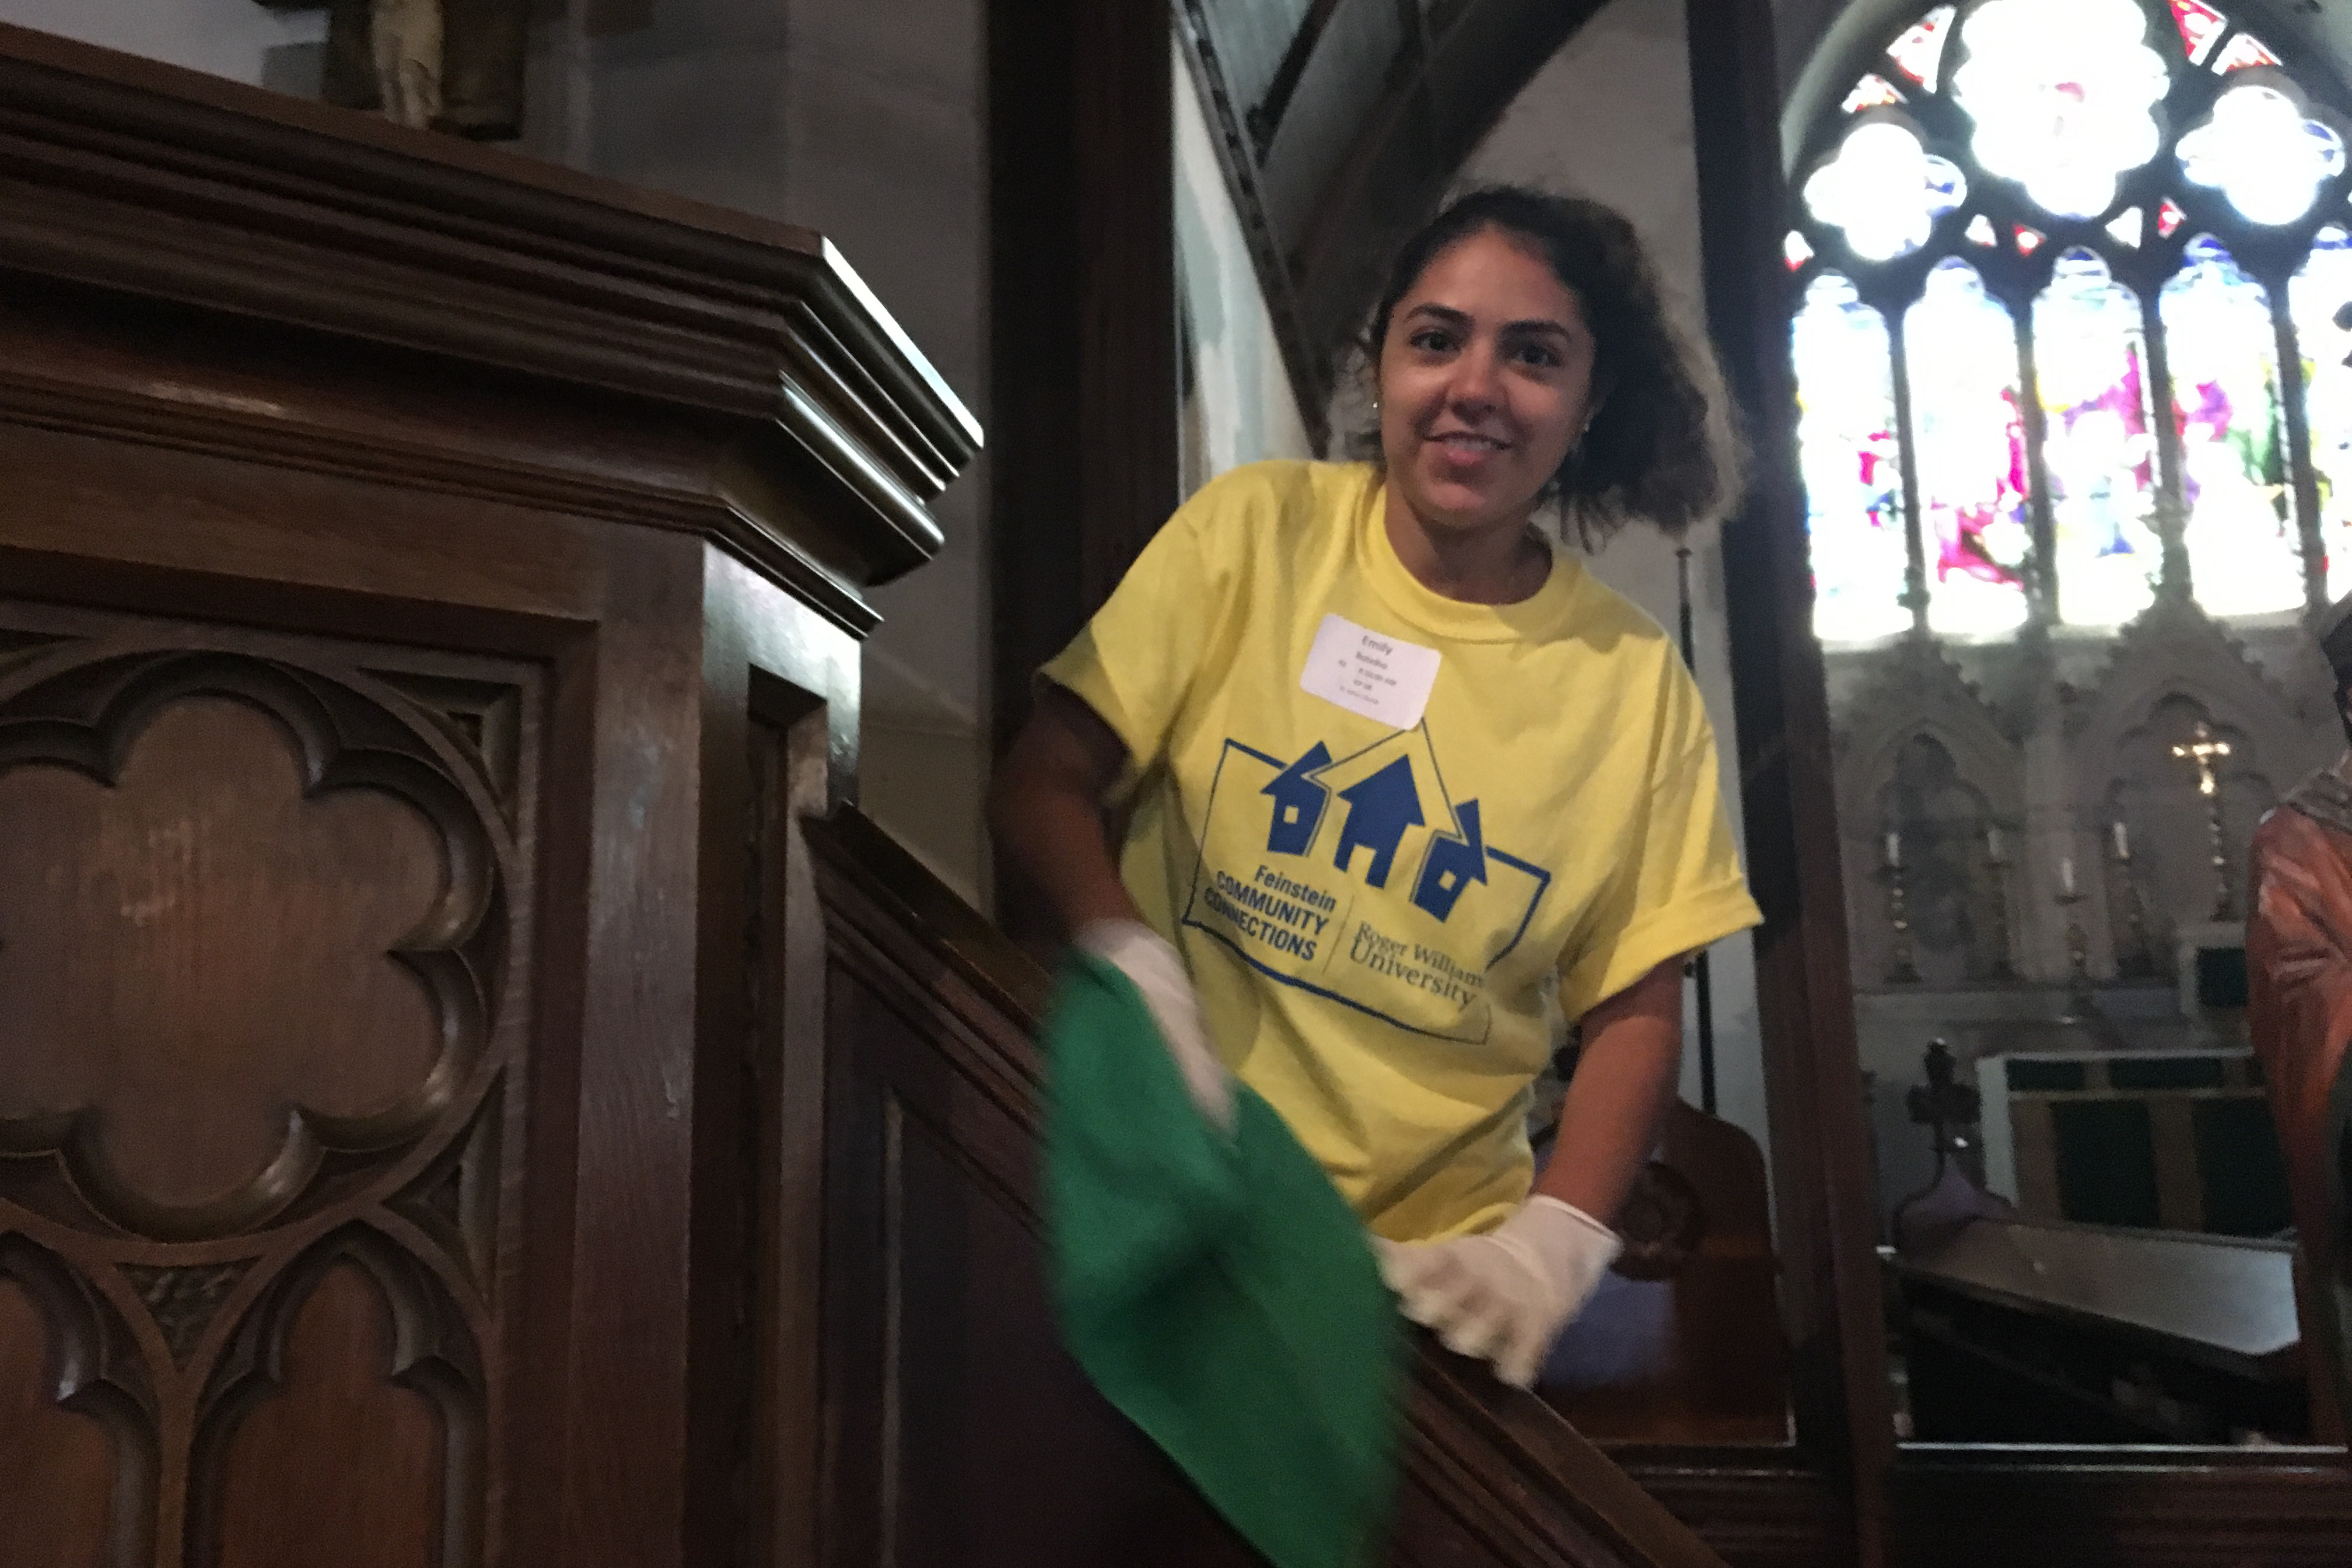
column 1464, row 445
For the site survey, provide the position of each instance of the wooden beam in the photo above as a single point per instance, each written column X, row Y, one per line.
column 1083, row 356
column 1831, row 1293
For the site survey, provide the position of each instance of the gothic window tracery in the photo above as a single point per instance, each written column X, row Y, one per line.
column 2065, row 280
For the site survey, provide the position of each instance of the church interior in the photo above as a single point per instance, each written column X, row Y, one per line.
column 603, row 474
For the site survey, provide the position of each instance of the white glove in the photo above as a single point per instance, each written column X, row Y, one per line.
column 1144, row 956
column 1503, row 1296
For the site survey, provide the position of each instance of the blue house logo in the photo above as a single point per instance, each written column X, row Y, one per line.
column 1382, row 807
column 1350, row 878
column 1299, row 802
column 1379, row 809
column 1453, row 862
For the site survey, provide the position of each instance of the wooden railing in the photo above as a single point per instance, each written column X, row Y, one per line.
column 929, row 1014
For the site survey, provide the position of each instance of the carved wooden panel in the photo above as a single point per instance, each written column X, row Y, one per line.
column 264, row 923
column 74, row 1414
column 964, row 1433
column 57, row 1460
column 341, row 1425
column 957, row 1430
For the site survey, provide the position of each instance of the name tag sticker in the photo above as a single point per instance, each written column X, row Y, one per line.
column 1384, row 678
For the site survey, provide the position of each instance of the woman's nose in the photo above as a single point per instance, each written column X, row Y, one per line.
column 1477, row 379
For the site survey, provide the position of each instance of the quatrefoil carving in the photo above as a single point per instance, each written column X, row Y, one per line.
column 251, row 921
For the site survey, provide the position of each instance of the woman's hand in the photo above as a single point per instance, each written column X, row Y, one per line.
column 1155, row 970
column 1507, row 1295
column 1504, row 1297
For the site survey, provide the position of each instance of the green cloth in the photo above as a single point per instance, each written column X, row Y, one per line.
column 1218, row 1291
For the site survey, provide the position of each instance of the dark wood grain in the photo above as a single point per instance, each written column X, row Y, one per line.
column 1830, row 1288
column 2086, row 1509
column 1721, row 1376
column 1083, row 354
column 1763, row 1511
column 411, row 1137
column 58, row 1462
column 169, row 184
column 338, row 1460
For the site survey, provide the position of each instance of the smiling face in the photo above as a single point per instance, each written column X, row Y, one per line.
column 1486, row 380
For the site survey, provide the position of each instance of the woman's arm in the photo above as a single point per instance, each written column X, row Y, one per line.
column 1046, row 807
column 1625, row 1077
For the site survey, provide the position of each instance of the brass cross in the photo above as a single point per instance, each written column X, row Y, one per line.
column 2202, row 751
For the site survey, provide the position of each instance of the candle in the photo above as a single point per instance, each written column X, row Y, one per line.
column 1894, row 851
column 2123, row 842
column 1992, row 845
column 2066, row 874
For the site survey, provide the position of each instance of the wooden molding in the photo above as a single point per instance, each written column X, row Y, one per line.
column 144, row 180
column 2089, row 1507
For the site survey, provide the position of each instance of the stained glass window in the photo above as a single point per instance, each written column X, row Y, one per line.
column 2074, row 269
column 1872, row 91
column 2243, row 52
column 2201, row 27
column 1846, row 446
column 1970, row 437
column 1920, row 52
column 1883, row 190
column 2063, row 97
column 2261, row 151
column 2320, row 288
column 2243, row 552
column 2099, row 450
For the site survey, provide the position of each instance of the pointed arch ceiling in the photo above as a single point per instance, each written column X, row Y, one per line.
column 1341, row 123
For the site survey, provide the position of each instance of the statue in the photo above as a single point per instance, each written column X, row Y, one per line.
column 446, row 65
column 2299, row 973
column 405, row 36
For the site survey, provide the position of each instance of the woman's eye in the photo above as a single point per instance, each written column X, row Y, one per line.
column 1431, row 340
column 1537, row 354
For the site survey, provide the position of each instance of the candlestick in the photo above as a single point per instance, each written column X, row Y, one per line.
column 1894, row 850
column 2133, row 956
column 2003, row 969
column 2201, row 752
column 2066, row 873
column 1900, row 966
column 2081, row 1005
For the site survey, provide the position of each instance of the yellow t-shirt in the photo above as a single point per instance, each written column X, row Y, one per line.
column 1378, row 889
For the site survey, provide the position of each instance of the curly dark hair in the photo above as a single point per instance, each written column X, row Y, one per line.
column 1662, row 449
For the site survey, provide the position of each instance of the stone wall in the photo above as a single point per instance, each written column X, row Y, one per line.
column 236, row 38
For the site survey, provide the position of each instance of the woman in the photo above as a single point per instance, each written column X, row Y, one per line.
column 1404, row 782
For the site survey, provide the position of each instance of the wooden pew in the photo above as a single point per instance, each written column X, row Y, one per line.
column 932, row 1119
column 2019, row 1332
